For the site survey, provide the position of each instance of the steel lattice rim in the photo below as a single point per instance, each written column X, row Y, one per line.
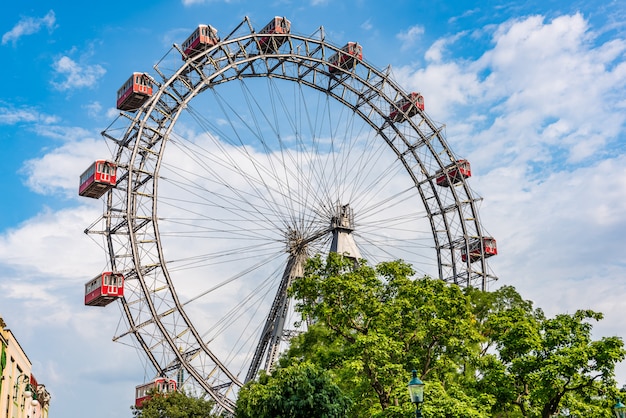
column 132, row 229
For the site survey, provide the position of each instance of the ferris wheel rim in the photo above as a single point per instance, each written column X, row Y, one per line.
column 312, row 63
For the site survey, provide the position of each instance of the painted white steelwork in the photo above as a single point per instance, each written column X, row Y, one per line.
column 230, row 175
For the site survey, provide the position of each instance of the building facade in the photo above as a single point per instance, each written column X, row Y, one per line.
column 21, row 396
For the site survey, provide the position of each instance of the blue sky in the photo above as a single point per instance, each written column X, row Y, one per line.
column 532, row 94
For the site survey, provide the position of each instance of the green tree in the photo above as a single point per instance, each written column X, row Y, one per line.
column 482, row 354
column 538, row 366
column 299, row 391
column 375, row 324
column 174, row 405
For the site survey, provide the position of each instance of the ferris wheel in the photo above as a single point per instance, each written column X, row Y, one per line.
column 240, row 158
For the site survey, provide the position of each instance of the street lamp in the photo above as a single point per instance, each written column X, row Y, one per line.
column 22, row 378
column 34, row 402
column 619, row 409
column 416, row 392
column 28, row 393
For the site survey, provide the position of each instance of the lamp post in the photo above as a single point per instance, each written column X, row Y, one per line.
column 29, row 392
column 620, row 409
column 416, row 392
column 23, row 378
column 34, row 402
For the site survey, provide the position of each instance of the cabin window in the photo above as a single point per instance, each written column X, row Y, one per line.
column 112, row 280
column 104, row 168
column 87, row 174
column 92, row 285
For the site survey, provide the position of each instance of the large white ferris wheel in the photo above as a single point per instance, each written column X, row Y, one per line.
column 248, row 155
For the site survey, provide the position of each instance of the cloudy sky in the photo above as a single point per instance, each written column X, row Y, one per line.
column 533, row 94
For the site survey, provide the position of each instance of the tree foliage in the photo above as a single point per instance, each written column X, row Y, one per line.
column 481, row 354
column 372, row 325
column 302, row 390
column 173, row 405
column 541, row 365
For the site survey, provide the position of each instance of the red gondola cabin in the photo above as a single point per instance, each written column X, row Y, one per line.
column 104, row 289
column 485, row 246
column 278, row 25
column 100, row 177
column 160, row 385
column 456, row 172
column 135, row 92
column 204, row 37
column 406, row 108
column 346, row 57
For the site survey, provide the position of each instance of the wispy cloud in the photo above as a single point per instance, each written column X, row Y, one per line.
column 437, row 49
column 10, row 115
column 29, row 26
column 410, row 36
column 193, row 2
column 546, row 84
column 466, row 13
column 75, row 75
column 94, row 109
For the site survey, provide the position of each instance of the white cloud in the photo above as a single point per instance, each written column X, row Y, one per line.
column 50, row 245
column 410, row 36
column 434, row 54
column 112, row 112
column 29, row 26
column 76, row 75
column 94, row 109
column 465, row 14
column 367, row 25
column 544, row 91
column 194, row 2
column 10, row 115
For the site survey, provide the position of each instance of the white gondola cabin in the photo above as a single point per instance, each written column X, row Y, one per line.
column 104, row 289
column 454, row 173
column 346, row 58
column 203, row 38
column 277, row 26
column 135, row 92
column 478, row 248
column 406, row 108
column 99, row 178
column 161, row 385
